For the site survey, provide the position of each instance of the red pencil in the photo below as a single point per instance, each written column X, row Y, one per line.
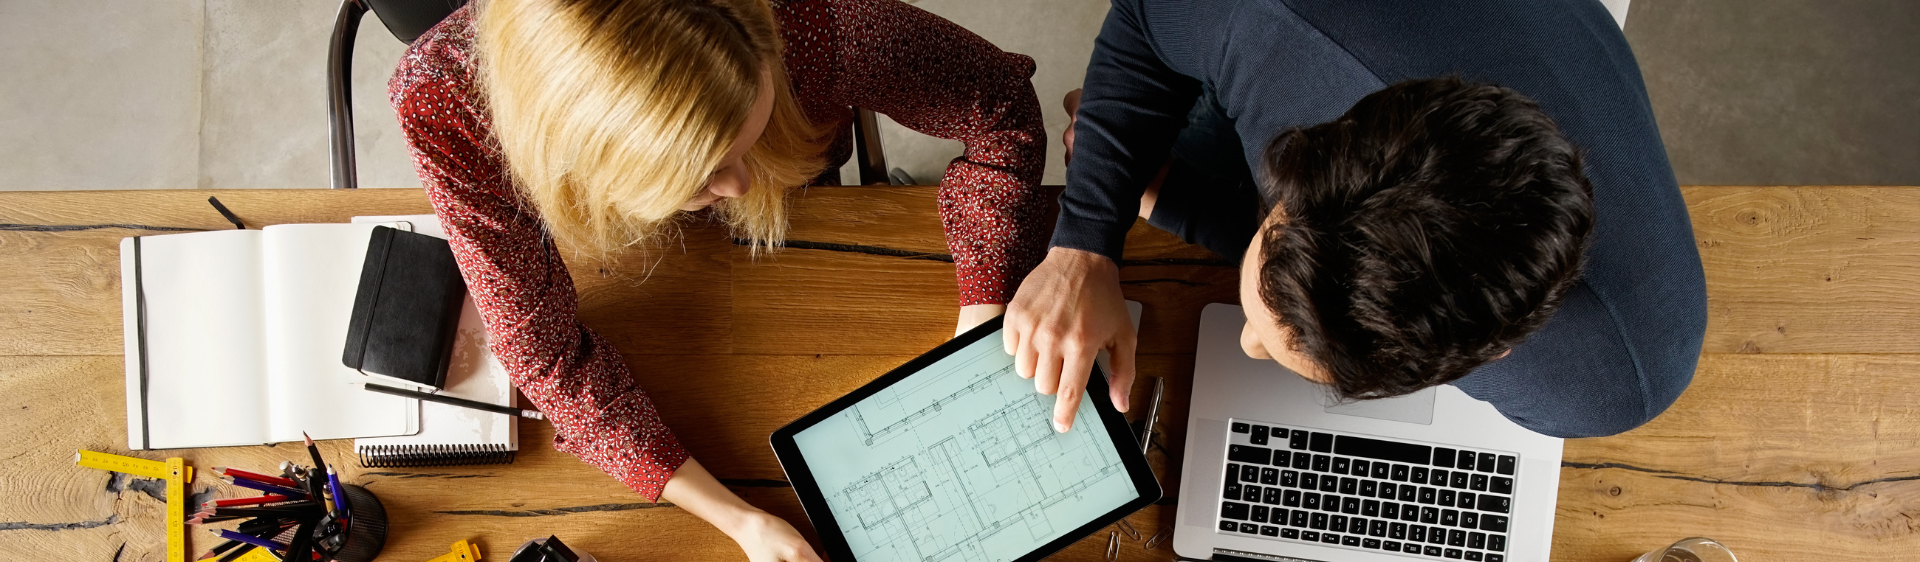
column 254, row 476
column 269, row 498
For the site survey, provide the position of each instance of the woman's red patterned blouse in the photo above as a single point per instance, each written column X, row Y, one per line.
column 924, row 72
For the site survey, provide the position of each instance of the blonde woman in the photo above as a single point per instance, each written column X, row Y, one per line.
column 594, row 124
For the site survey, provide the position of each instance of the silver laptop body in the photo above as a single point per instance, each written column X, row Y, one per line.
column 1386, row 452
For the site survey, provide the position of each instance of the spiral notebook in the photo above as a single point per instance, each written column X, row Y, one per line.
column 451, row 435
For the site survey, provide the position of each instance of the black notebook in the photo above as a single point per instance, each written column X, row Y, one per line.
column 451, row 435
column 406, row 309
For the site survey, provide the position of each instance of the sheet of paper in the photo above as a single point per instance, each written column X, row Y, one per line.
column 960, row 462
column 311, row 273
column 205, row 339
column 475, row 374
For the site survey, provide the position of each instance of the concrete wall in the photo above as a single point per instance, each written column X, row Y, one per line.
column 120, row 94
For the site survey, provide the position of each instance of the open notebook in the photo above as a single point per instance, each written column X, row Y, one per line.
column 451, row 435
column 233, row 337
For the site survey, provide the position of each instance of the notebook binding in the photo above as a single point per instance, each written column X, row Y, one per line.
column 408, row 456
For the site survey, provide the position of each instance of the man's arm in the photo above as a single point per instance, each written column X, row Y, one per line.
column 1131, row 110
column 1071, row 307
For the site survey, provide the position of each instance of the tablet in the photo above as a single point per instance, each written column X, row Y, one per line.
column 954, row 457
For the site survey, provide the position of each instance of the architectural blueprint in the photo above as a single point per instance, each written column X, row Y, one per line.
column 960, row 463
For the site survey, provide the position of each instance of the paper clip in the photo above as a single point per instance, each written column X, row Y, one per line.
column 1159, row 537
column 1113, row 546
column 1127, row 528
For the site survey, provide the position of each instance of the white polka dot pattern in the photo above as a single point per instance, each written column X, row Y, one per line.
column 925, row 72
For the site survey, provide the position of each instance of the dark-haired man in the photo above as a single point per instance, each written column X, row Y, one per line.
column 1412, row 189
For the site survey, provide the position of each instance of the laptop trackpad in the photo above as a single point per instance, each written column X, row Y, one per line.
column 1411, row 408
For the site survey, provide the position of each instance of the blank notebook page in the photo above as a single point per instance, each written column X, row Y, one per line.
column 312, row 272
column 205, row 340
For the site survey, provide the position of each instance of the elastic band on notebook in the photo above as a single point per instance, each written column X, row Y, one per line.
column 140, row 312
column 379, row 279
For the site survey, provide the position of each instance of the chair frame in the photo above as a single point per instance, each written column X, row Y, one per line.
column 872, row 161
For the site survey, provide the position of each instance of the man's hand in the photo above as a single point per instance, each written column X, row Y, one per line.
column 1066, row 311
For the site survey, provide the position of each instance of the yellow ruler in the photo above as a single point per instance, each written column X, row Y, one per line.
column 177, row 474
column 463, row 551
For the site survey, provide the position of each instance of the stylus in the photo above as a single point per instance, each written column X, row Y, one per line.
column 1153, row 413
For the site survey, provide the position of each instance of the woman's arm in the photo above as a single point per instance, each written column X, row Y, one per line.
column 525, row 294
column 764, row 537
column 940, row 79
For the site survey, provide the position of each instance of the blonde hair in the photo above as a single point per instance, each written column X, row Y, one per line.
column 614, row 113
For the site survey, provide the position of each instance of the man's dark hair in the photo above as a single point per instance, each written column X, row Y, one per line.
column 1427, row 231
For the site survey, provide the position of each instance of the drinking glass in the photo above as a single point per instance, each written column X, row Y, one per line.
column 1696, row 549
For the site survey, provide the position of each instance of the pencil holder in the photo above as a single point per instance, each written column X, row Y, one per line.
column 365, row 531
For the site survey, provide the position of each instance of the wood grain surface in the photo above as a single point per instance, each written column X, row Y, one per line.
column 1798, row 440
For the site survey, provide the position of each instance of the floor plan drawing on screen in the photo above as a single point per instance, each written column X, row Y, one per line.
column 959, row 463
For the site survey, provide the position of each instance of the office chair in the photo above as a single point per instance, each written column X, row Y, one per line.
column 408, row 19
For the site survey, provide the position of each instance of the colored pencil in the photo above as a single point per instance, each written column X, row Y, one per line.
column 256, row 500
column 264, row 487
column 254, row 476
column 302, row 509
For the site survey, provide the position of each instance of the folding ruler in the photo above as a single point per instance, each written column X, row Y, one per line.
column 462, row 551
column 177, row 474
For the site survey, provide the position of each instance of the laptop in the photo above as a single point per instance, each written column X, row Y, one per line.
column 1276, row 469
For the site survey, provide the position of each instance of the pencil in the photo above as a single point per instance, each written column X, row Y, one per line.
column 250, row 539
column 223, row 547
column 317, row 475
column 314, row 450
column 238, row 552
column 451, row 401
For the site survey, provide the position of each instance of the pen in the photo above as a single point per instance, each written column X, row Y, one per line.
column 339, row 499
column 451, row 401
column 1153, row 413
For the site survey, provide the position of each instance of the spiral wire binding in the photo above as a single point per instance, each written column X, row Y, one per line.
column 408, row 456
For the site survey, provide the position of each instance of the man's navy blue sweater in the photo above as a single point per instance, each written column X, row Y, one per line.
column 1627, row 338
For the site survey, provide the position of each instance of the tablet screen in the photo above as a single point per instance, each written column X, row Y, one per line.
column 959, row 461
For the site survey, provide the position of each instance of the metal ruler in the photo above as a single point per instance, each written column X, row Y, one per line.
column 177, row 474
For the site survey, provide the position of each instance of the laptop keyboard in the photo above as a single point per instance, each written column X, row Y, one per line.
column 1366, row 493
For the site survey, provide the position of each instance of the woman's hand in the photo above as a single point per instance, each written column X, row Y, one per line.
column 977, row 314
column 765, row 538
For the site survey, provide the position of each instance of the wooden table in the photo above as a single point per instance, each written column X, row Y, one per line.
column 1799, row 439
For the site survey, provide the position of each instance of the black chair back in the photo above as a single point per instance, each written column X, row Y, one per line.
column 407, row 19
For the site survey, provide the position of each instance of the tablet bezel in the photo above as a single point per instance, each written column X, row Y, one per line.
column 1119, row 435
